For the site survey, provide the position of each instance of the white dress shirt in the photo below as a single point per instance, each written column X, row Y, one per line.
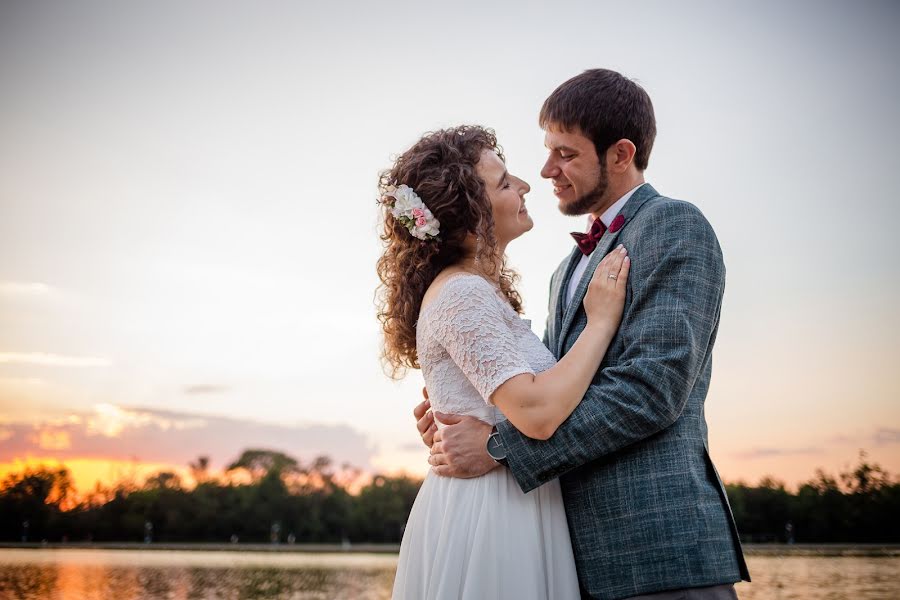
column 607, row 218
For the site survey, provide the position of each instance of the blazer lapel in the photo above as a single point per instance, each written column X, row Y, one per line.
column 559, row 293
column 574, row 306
column 640, row 196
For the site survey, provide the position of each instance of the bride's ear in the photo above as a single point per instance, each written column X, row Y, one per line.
column 620, row 156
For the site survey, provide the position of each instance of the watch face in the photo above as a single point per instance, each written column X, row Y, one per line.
column 495, row 447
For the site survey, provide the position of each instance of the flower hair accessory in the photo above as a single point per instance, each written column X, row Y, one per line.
column 412, row 213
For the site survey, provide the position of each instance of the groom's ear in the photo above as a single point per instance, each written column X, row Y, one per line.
column 620, row 156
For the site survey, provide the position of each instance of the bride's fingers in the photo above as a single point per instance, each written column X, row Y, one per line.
column 618, row 257
column 611, row 265
column 425, row 422
column 437, row 448
column 603, row 269
column 623, row 272
column 421, row 408
column 610, row 259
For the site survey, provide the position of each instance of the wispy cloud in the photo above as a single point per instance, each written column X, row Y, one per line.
column 52, row 360
column 843, row 439
column 880, row 437
column 206, row 388
column 884, row 437
column 770, row 452
column 22, row 381
column 24, row 288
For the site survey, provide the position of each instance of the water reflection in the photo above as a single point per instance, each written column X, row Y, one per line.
column 822, row 578
column 153, row 575
column 27, row 581
column 127, row 575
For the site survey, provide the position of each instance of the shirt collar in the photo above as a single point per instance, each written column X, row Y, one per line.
column 611, row 212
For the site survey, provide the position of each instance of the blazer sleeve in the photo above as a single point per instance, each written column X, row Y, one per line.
column 676, row 284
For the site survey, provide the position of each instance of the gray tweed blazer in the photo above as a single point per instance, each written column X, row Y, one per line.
column 645, row 505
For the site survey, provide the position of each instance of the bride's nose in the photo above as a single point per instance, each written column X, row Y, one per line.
column 523, row 187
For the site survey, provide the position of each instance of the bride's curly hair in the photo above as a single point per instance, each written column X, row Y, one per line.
column 440, row 168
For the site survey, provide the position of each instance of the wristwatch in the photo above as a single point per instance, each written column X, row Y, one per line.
column 496, row 448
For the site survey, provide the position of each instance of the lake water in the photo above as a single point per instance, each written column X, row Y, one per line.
column 192, row 575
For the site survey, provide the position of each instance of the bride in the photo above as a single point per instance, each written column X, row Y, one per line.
column 448, row 305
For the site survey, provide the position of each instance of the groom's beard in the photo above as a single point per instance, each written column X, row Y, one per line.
column 591, row 200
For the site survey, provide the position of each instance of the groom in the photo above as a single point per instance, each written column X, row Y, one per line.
column 646, row 509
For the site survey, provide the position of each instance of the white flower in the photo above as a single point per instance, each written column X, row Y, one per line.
column 406, row 199
column 432, row 228
column 409, row 209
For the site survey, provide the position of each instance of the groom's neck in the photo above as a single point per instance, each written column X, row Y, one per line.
column 618, row 187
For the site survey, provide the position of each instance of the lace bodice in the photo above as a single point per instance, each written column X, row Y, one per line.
column 470, row 341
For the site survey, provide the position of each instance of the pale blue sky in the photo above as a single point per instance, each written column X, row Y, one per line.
column 187, row 198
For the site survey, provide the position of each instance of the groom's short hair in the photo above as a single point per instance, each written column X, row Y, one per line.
column 607, row 107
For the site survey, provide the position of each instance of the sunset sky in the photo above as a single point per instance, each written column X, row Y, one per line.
column 188, row 227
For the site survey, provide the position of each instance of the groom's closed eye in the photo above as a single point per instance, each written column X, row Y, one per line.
column 564, row 152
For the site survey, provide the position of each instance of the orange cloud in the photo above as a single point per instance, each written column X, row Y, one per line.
column 110, row 421
column 112, row 440
column 49, row 439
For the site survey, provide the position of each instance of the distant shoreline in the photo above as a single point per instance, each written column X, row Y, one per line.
column 811, row 550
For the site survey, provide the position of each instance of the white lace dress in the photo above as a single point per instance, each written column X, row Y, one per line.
column 481, row 537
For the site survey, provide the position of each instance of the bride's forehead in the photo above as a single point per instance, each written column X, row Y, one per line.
column 490, row 162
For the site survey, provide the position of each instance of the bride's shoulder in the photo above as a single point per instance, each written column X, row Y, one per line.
column 453, row 283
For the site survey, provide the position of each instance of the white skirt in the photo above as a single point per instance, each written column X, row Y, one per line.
column 483, row 538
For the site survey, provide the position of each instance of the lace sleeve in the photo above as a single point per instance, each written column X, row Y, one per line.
column 469, row 322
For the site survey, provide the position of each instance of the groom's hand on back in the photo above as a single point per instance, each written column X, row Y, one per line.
column 460, row 447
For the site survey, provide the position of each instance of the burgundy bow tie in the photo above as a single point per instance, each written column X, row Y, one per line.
column 588, row 241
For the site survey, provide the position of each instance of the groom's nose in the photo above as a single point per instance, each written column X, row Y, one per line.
column 551, row 169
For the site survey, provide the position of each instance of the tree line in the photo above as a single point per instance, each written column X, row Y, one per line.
column 860, row 505
column 266, row 496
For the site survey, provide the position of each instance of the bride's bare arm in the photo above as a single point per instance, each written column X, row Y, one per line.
column 537, row 404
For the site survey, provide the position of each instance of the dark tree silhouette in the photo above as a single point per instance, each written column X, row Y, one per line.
column 311, row 503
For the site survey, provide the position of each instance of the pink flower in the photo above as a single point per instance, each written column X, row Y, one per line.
column 420, row 222
column 418, row 213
